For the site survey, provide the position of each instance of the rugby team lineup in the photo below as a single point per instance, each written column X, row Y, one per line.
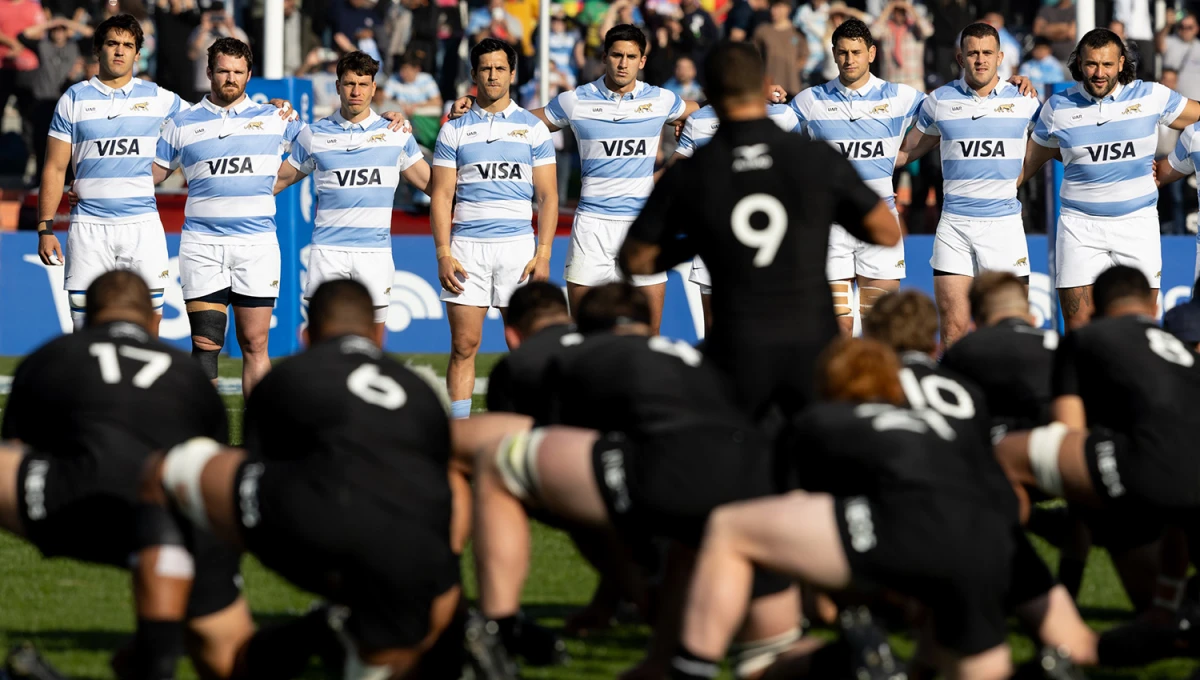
column 782, row 501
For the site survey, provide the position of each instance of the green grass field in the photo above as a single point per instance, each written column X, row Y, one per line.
column 78, row 614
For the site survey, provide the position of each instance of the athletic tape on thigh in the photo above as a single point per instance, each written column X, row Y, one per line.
column 77, row 300
column 754, row 657
column 156, row 299
column 867, row 297
column 181, row 477
column 381, row 314
column 1044, row 443
column 517, row 461
column 841, row 298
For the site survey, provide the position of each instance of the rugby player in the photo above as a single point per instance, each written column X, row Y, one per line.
column 358, row 161
column 982, row 125
column 756, row 204
column 1106, row 130
column 107, row 128
column 342, row 489
column 698, row 129
column 91, row 407
column 229, row 149
column 618, row 121
column 642, row 441
column 1180, row 163
column 892, row 498
column 488, row 167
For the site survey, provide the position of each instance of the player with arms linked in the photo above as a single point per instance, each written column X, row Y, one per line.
column 488, row 167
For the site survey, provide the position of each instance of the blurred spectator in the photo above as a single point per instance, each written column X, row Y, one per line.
column 901, row 32
column 353, row 23
column 320, row 66
column 214, row 24
column 175, row 21
column 811, row 18
column 298, row 37
column 15, row 59
column 1134, row 16
column 1057, row 23
column 623, row 12
column 419, row 98
column 683, row 83
column 1008, row 45
column 783, row 48
column 941, row 50
column 745, row 16
column 1132, row 48
column 1042, row 66
column 566, row 44
column 700, row 32
column 1172, row 217
column 1181, row 53
column 60, row 65
column 666, row 48
column 494, row 21
column 451, row 69
column 398, row 22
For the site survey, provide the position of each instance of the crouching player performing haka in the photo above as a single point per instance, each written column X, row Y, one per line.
column 92, row 407
column 663, row 446
column 343, row 490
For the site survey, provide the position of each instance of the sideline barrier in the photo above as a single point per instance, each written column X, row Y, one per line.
column 33, row 306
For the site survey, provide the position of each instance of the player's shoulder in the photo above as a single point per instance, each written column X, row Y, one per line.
column 900, row 91
column 521, row 116
column 707, row 112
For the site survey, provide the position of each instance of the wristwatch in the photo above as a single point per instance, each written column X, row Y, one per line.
column 45, row 227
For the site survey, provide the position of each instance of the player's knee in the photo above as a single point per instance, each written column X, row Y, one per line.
column 155, row 526
column 253, row 343
column 182, row 471
column 515, row 462
column 867, row 297
column 751, row 659
column 465, row 343
column 77, row 299
column 1044, row 445
column 156, row 300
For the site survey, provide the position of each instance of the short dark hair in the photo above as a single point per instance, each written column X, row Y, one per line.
column 978, row 30
column 1119, row 283
column 853, row 29
column 1094, row 40
column 489, row 45
column 118, row 289
column 230, row 47
column 733, row 70
column 359, row 63
column 991, row 290
column 625, row 32
column 412, row 59
column 906, row 321
column 340, row 305
column 534, row 301
column 119, row 22
column 613, row 304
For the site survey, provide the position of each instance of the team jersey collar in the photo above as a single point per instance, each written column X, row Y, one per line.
column 236, row 109
column 1112, row 96
column 608, row 94
column 863, row 91
column 966, row 89
column 508, row 110
column 364, row 124
column 109, row 91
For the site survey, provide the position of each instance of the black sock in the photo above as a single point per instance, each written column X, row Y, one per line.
column 157, row 647
column 507, row 627
column 1070, row 574
column 284, row 650
column 1136, row 644
column 688, row 666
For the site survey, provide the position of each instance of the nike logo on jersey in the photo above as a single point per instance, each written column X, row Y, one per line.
column 1100, row 122
column 978, row 117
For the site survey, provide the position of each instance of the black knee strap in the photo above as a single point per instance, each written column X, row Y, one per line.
column 210, row 325
column 156, row 525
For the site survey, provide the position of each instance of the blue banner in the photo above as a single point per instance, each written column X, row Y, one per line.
column 34, row 309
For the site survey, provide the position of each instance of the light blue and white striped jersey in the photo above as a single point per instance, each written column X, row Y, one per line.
column 866, row 125
column 618, row 142
column 495, row 155
column 983, row 145
column 1185, row 157
column 230, row 158
column 420, row 90
column 562, row 51
column 112, row 134
column 356, row 168
column 702, row 125
column 1108, row 146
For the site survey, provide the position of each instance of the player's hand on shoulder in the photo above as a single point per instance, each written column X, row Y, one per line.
column 397, row 122
column 1024, row 84
column 286, row 111
column 461, row 106
column 776, row 94
column 451, row 274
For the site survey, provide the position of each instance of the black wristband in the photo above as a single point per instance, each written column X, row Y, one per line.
column 45, row 227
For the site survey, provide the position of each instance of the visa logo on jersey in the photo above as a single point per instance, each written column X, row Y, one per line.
column 118, row 147
column 861, row 149
column 982, row 148
column 499, row 170
column 357, row 178
column 235, row 165
column 624, row 147
column 1111, row 152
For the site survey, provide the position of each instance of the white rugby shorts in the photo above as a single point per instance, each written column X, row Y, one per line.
column 968, row 245
column 848, row 257
column 595, row 244
column 493, row 266
column 93, row 249
column 250, row 269
column 374, row 269
column 1087, row 246
column 700, row 276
